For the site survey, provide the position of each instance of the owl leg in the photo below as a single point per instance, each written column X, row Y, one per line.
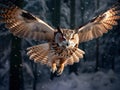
column 54, row 67
column 61, row 67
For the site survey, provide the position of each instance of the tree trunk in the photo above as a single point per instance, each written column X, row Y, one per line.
column 82, row 10
column 35, row 76
column 74, row 67
column 72, row 14
column 56, row 13
column 56, row 22
column 16, row 77
column 97, row 43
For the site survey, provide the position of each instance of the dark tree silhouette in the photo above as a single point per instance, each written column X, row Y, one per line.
column 55, row 21
column 16, row 77
column 74, row 67
column 82, row 10
column 35, row 76
column 97, row 42
column 72, row 14
column 56, row 13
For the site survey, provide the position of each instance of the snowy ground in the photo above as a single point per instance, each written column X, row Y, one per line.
column 101, row 80
column 86, row 81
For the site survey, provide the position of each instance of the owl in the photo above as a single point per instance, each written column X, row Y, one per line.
column 61, row 46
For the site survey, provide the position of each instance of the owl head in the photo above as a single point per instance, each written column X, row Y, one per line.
column 66, row 38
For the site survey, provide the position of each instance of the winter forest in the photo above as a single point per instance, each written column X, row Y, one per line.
column 98, row 70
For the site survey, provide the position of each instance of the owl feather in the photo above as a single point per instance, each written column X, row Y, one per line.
column 62, row 44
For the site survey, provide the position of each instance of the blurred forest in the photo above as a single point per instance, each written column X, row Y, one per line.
column 17, row 72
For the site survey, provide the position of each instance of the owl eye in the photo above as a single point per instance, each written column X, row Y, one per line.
column 61, row 38
column 72, row 38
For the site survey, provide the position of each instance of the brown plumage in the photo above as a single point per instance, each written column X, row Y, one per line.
column 62, row 47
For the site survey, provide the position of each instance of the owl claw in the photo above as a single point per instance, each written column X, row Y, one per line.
column 54, row 68
column 60, row 70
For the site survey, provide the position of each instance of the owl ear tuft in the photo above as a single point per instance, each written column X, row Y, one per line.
column 76, row 31
column 59, row 30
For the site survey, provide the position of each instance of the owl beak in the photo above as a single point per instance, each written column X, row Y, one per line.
column 67, row 44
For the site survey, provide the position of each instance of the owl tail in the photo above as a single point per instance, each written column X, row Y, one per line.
column 39, row 53
column 77, row 54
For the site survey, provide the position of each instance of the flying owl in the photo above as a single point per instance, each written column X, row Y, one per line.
column 61, row 48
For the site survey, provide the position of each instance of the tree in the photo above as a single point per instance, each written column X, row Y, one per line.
column 56, row 13
column 82, row 10
column 16, row 77
column 74, row 67
column 72, row 14
column 56, row 20
column 97, row 42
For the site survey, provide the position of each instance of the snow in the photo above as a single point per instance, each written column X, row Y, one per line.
column 85, row 81
column 65, row 15
column 88, row 79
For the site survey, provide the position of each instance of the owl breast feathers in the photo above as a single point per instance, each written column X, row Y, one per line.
column 61, row 48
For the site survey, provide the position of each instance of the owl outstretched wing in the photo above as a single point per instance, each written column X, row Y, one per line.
column 100, row 24
column 23, row 24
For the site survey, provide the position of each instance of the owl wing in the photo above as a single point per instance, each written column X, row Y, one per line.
column 39, row 53
column 23, row 24
column 100, row 24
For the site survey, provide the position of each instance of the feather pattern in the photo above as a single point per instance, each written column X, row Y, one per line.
column 62, row 46
column 47, row 53
column 99, row 25
column 23, row 24
column 39, row 53
column 74, row 56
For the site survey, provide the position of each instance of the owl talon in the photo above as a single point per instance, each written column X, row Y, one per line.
column 60, row 70
column 54, row 68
